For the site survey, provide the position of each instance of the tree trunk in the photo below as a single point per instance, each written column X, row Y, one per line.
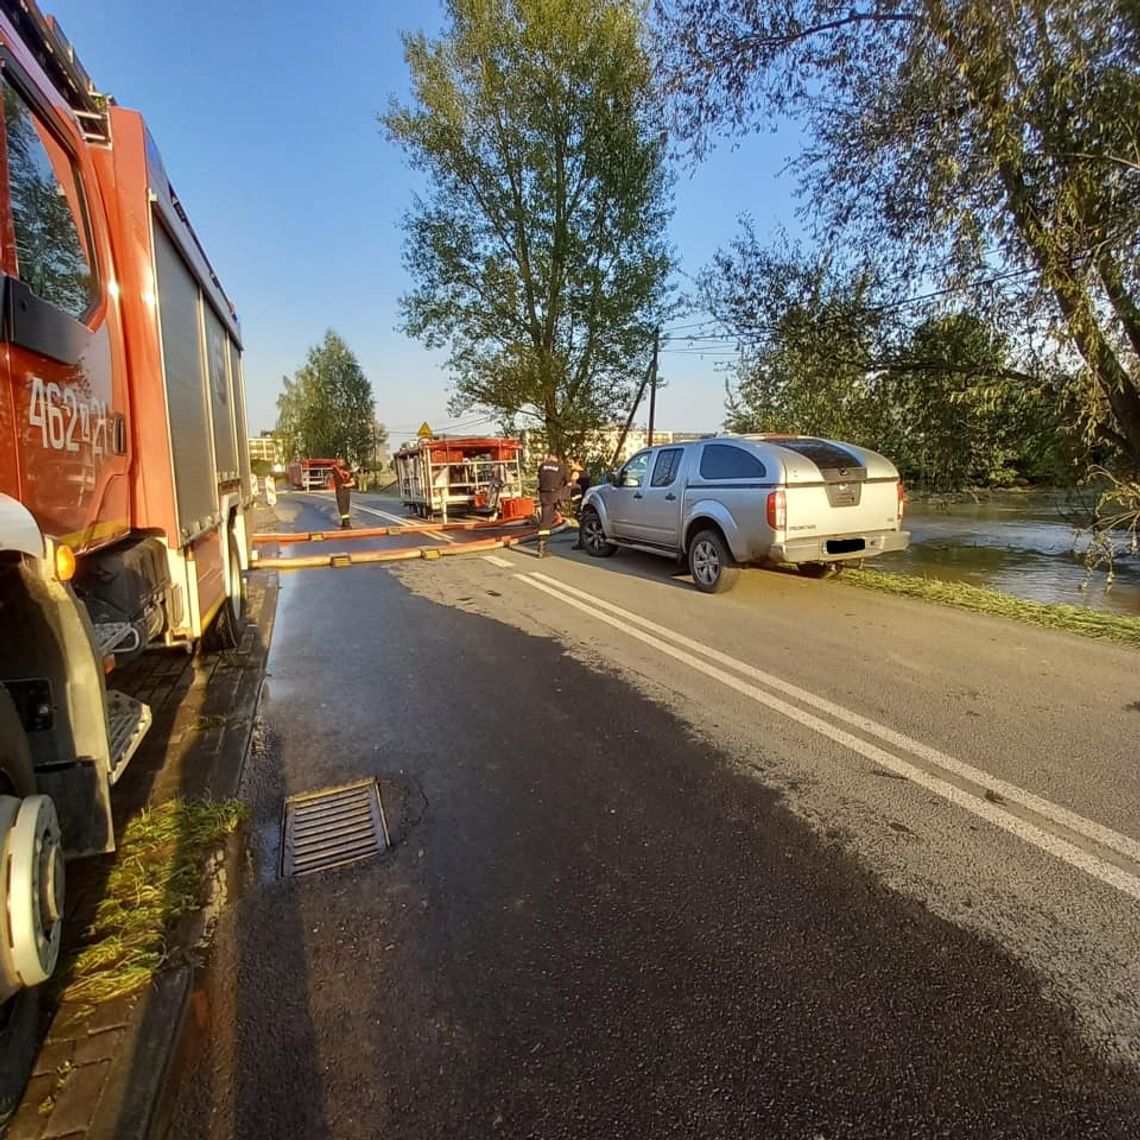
column 1077, row 307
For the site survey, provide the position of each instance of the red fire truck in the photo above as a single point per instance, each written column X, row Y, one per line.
column 315, row 474
column 124, row 474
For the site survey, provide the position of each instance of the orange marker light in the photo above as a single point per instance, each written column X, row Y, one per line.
column 64, row 562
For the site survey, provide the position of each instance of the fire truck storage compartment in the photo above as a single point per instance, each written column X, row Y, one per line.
column 237, row 387
column 130, row 582
column 179, row 314
column 202, row 366
column 221, row 404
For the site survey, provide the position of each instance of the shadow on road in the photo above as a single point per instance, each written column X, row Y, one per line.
column 601, row 927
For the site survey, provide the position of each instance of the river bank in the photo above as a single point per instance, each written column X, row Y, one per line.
column 1030, row 544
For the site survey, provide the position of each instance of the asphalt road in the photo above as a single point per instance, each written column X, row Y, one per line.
column 798, row 861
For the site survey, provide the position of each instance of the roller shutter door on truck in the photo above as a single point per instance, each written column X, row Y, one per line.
column 179, row 311
column 237, row 387
column 221, row 399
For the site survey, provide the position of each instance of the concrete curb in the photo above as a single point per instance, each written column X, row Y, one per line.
column 139, row 1086
column 141, row 1089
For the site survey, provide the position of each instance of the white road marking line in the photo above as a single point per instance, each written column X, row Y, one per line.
column 1098, row 833
column 495, row 560
column 440, row 535
column 1097, row 868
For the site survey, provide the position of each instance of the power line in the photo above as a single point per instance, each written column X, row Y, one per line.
column 694, row 325
column 886, row 307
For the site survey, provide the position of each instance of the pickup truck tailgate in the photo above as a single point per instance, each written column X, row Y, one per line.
column 854, row 507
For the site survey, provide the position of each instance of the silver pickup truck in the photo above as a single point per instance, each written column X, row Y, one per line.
column 731, row 501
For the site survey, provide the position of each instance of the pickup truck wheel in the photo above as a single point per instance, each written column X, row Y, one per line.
column 594, row 535
column 818, row 569
column 711, row 564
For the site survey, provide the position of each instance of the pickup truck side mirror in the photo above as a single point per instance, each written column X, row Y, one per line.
column 612, row 478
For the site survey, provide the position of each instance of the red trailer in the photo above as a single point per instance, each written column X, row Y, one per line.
column 463, row 475
column 315, row 474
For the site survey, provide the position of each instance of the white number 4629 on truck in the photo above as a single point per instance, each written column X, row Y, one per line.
column 744, row 500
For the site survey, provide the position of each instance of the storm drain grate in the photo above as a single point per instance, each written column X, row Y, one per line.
column 332, row 828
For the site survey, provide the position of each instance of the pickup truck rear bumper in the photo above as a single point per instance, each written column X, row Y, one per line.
column 838, row 547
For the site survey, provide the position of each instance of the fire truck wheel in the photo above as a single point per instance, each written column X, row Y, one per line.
column 225, row 632
column 20, row 1013
column 16, row 776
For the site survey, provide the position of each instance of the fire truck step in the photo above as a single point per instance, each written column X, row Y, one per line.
column 128, row 721
column 110, row 636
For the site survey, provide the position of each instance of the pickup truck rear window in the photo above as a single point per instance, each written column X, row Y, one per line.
column 724, row 461
column 826, row 456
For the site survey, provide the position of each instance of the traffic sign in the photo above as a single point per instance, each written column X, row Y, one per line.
column 425, row 431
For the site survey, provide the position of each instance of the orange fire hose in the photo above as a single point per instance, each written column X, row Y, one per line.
column 284, row 538
column 403, row 554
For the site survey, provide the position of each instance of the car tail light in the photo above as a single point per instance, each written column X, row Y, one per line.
column 777, row 510
column 902, row 502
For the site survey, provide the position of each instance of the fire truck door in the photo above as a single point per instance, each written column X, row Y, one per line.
column 68, row 464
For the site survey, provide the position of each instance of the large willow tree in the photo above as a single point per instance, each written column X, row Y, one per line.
column 991, row 141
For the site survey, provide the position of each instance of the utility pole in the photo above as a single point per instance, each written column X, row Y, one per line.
column 650, row 374
column 653, row 384
column 629, row 421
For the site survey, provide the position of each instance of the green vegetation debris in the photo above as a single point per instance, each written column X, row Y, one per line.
column 158, row 875
column 1075, row 619
column 210, row 720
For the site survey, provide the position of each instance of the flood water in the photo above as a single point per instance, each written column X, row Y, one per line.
column 1020, row 544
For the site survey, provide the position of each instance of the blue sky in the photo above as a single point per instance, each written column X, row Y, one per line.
column 265, row 113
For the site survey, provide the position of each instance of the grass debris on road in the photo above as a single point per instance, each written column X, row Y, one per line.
column 981, row 599
column 158, row 875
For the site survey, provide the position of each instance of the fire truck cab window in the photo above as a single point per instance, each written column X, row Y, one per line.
column 47, row 212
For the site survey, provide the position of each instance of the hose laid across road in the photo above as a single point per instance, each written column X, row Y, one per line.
column 286, row 537
column 402, row 554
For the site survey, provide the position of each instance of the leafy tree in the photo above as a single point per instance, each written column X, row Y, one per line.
column 809, row 332
column 538, row 253
column 956, row 417
column 327, row 409
column 824, row 354
column 379, row 440
column 972, row 139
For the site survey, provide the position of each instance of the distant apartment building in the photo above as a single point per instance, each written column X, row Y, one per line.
column 264, row 448
column 603, row 443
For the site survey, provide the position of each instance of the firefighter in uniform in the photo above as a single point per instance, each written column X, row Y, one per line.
column 577, row 494
column 341, row 481
column 553, row 479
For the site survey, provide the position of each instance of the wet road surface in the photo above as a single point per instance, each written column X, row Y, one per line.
column 628, row 899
